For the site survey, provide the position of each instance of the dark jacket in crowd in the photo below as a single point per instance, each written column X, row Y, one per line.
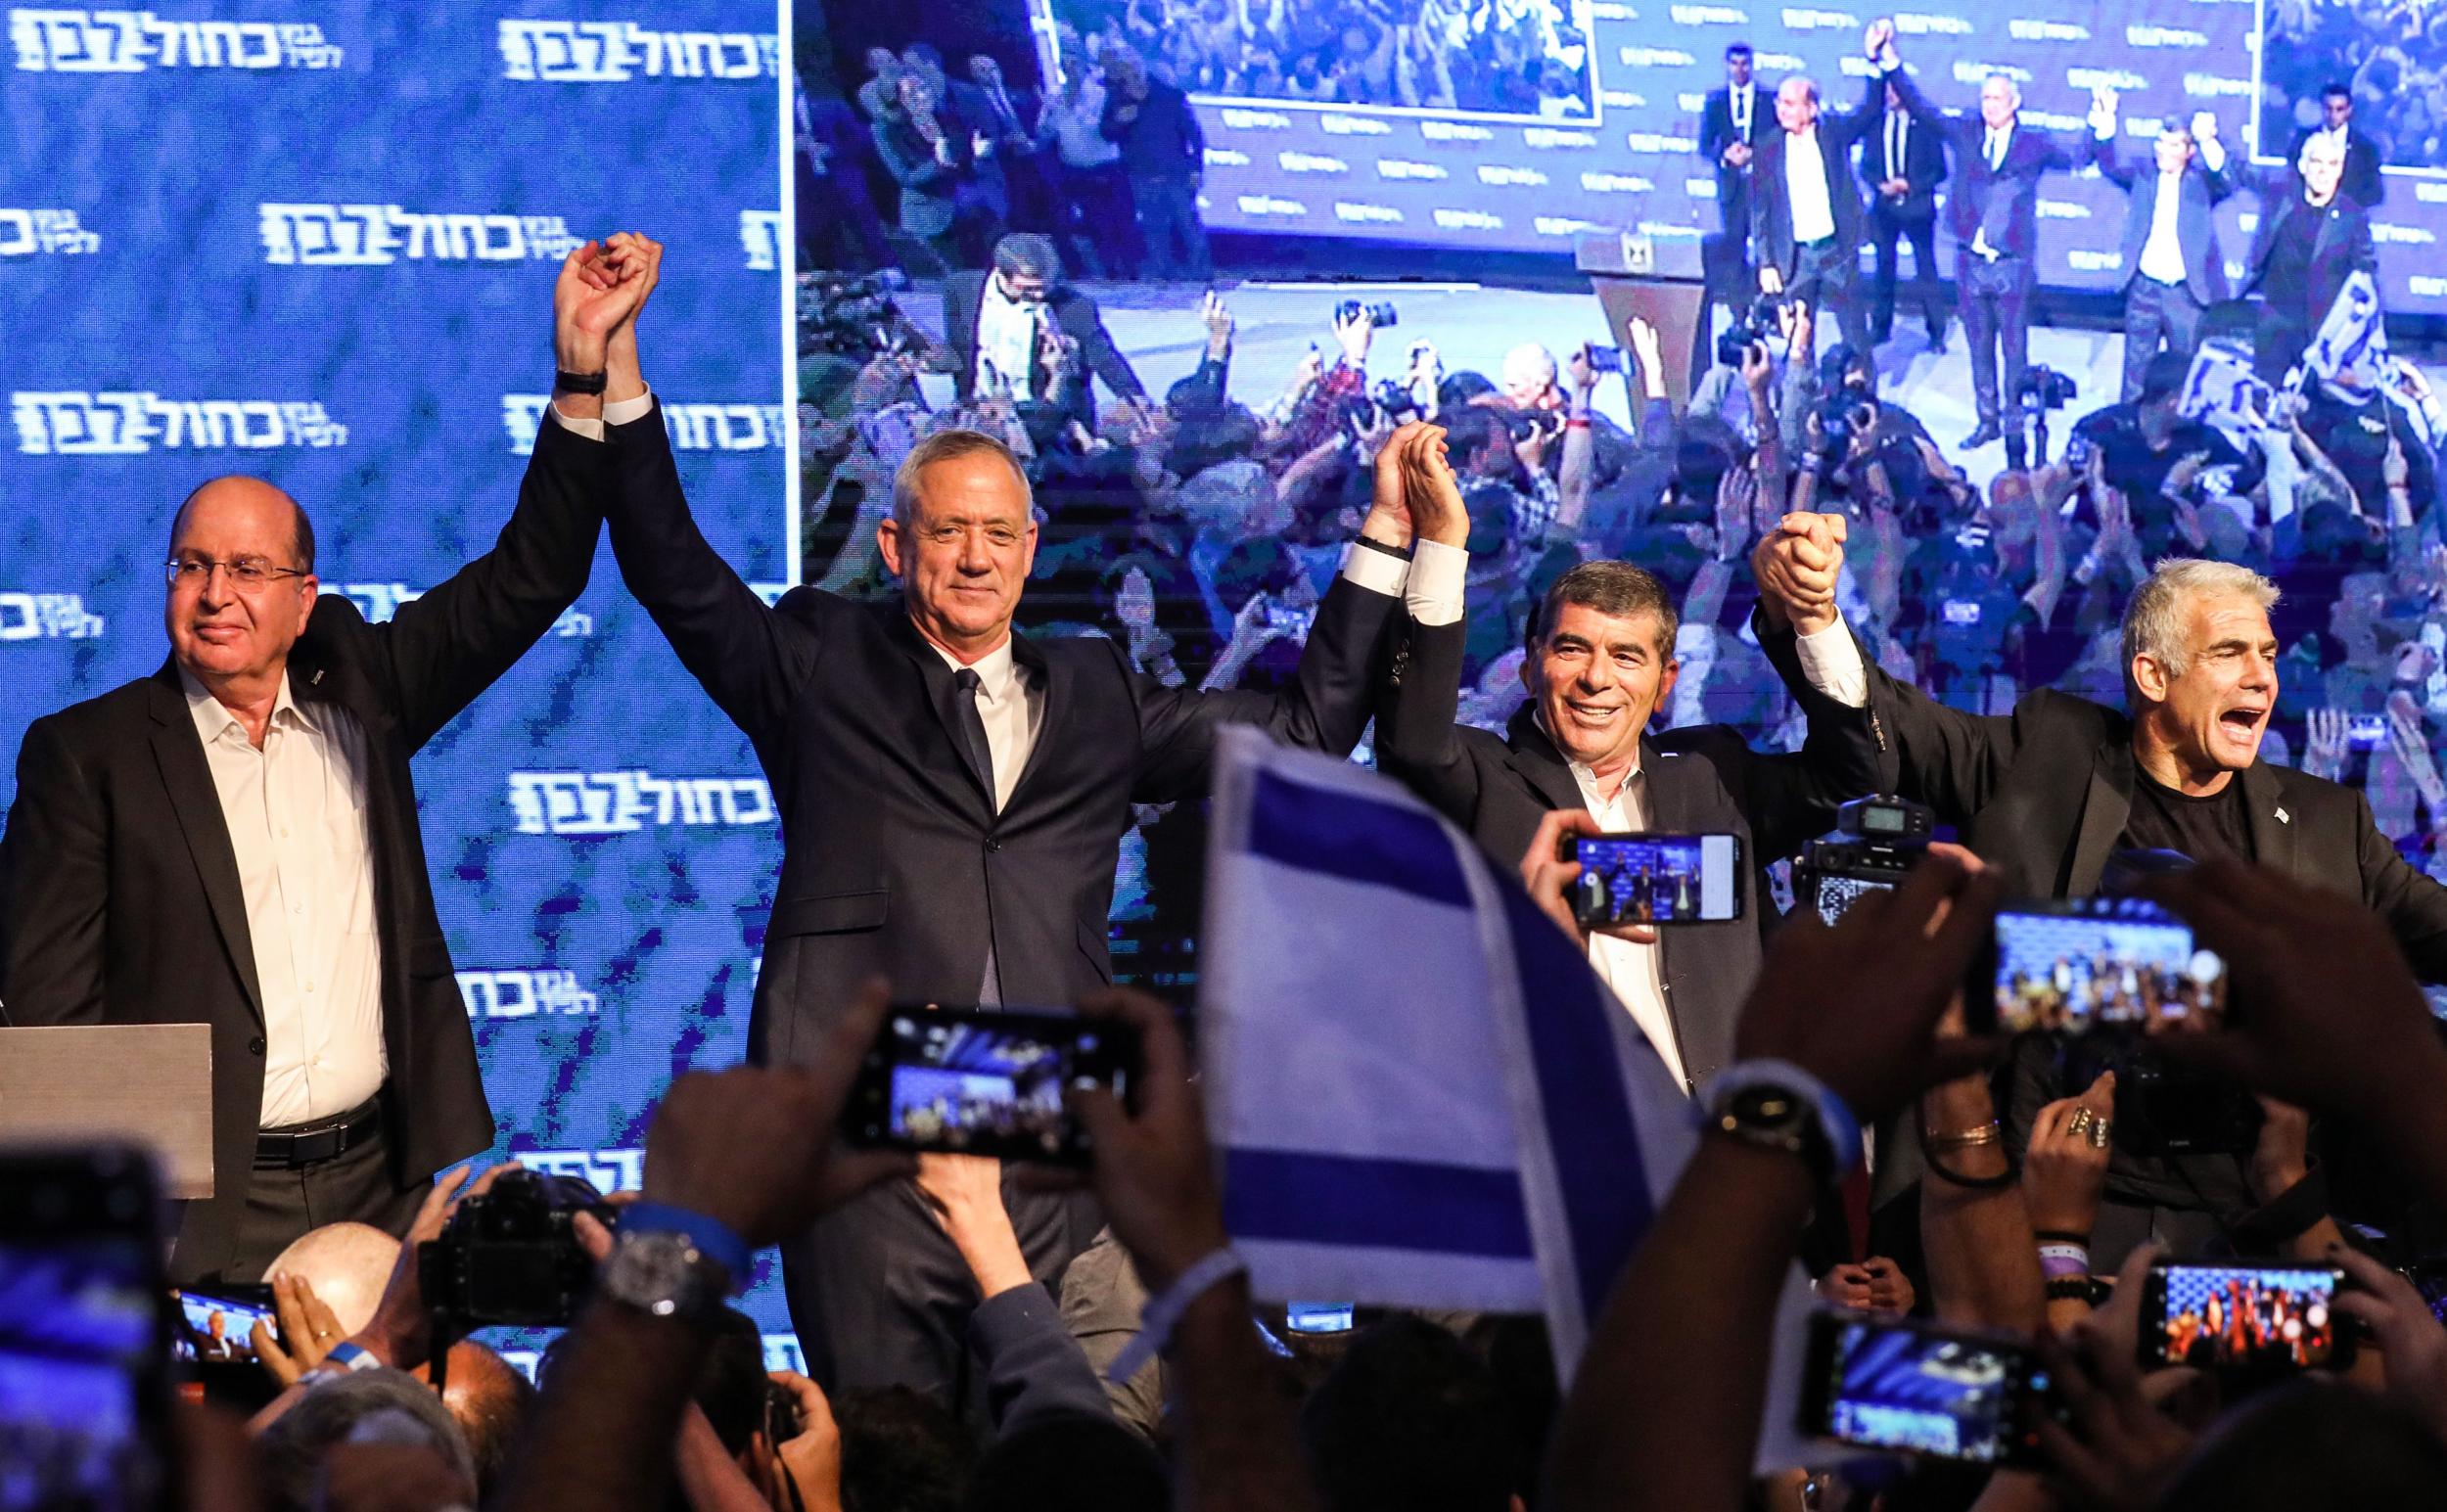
column 2004, row 201
column 1162, row 141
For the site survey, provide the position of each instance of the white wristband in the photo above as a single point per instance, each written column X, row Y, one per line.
column 1163, row 1313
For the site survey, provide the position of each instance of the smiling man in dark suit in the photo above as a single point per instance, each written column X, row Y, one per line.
column 996, row 319
column 954, row 797
column 2173, row 268
column 234, row 841
column 1601, row 661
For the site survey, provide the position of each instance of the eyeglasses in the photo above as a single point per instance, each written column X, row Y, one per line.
column 246, row 572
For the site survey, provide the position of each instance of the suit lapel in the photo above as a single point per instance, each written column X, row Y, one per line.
column 1542, row 764
column 2267, row 822
column 935, row 688
column 2104, row 811
column 179, row 753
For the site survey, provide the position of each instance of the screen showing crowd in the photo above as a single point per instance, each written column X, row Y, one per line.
column 2125, row 964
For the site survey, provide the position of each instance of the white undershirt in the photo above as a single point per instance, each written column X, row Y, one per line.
column 296, row 815
column 1805, row 182
column 2162, row 255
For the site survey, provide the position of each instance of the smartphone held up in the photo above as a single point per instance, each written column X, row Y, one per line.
column 986, row 1081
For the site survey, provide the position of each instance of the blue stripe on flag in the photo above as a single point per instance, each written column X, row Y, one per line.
column 1381, row 1204
column 1357, row 839
column 1590, row 1128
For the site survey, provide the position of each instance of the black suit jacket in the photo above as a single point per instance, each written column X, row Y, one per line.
column 1772, row 242
column 2342, row 246
column 2044, row 792
column 964, row 294
column 120, row 897
column 1700, row 780
column 2195, row 227
column 2003, row 201
column 1717, row 134
column 896, row 861
column 2364, row 184
column 1924, row 167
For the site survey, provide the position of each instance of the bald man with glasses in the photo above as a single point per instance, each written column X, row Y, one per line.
column 234, row 841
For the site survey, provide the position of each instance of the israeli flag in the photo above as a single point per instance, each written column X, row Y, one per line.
column 1421, row 1093
column 2351, row 335
column 2222, row 393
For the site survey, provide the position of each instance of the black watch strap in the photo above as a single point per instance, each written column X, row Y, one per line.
column 580, row 383
column 1395, row 552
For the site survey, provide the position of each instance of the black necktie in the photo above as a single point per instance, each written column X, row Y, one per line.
column 971, row 726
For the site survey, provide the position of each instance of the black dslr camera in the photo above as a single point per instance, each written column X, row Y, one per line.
column 1754, row 326
column 511, row 1256
column 1875, row 840
column 1381, row 315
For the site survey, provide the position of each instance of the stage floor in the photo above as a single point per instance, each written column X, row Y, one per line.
column 1474, row 325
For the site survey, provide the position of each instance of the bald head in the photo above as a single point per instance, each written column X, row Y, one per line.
column 244, row 588
column 261, row 503
column 490, row 1401
column 1797, row 102
column 346, row 1263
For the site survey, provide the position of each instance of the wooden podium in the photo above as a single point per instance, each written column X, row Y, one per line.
column 1662, row 279
column 145, row 1084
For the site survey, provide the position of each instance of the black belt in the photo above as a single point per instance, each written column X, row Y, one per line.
column 311, row 1144
column 1827, row 240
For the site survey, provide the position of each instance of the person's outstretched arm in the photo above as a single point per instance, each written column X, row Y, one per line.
column 749, row 657
column 1344, row 666
column 437, row 652
column 1033, row 1367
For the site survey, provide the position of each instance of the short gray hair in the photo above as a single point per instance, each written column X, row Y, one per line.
column 387, row 1406
column 947, row 446
column 2154, row 622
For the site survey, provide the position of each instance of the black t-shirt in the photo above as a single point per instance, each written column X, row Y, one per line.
column 2205, row 829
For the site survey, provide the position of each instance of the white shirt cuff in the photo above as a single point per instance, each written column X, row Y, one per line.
column 1830, row 659
column 619, row 413
column 2212, row 155
column 1439, row 575
column 1374, row 570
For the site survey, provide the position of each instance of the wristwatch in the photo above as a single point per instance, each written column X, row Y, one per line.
column 665, row 1275
column 1769, row 1116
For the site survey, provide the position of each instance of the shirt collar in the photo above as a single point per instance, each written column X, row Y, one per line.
column 996, row 671
column 213, row 718
column 1582, row 772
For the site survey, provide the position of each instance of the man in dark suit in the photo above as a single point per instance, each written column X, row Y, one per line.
column 1007, row 118
column 233, row 840
column 2311, row 238
column 1602, row 662
column 1805, row 211
column 2173, row 268
column 953, row 796
column 2048, row 794
column 992, row 321
column 1993, row 210
column 1165, row 154
column 1731, row 124
column 1903, row 162
column 2363, row 182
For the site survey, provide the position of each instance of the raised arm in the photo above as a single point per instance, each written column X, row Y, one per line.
column 748, row 656
column 1344, row 662
column 441, row 650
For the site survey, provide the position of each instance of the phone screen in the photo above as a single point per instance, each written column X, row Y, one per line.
column 986, row 1082
column 1656, row 878
column 2250, row 1316
column 217, row 1324
column 1835, row 896
column 83, row 1346
column 2109, row 961
column 1319, row 1317
column 1902, row 1386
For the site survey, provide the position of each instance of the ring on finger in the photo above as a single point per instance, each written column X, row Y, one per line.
column 2080, row 1122
column 2100, row 1133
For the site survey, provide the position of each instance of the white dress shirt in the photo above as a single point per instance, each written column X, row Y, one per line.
column 1898, row 142
column 1013, row 710
column 296, row 815
column 2162, row 255
column 1741, row 100
column 1635, row 972
column 1006, row 343
column 1831, row 662
column 1805, row 185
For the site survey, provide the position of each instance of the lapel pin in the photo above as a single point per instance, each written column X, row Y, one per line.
column 2283, row 817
